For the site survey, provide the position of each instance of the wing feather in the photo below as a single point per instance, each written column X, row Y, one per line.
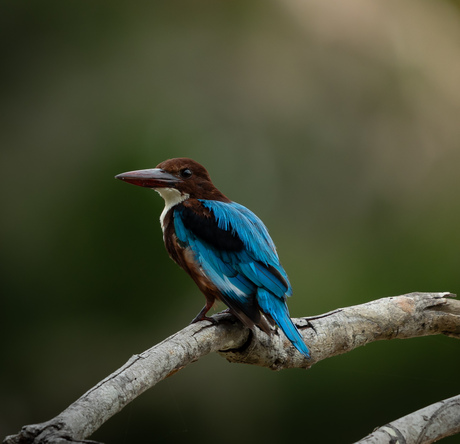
column 234, row 251
column 245, row 260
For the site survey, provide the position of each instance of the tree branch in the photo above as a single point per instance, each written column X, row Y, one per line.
column 424, row 426
column 334, row 333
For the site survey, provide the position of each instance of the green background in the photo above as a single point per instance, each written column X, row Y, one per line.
column 336, row 122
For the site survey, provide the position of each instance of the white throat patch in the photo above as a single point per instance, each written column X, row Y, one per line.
column 172, row 197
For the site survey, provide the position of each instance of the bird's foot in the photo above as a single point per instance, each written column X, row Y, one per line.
column 203, row 318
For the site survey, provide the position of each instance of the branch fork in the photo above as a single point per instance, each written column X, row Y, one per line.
column 327, row 335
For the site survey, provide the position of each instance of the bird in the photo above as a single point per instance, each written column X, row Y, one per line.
column 222, row 245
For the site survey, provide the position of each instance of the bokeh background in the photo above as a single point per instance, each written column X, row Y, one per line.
column 338, row 123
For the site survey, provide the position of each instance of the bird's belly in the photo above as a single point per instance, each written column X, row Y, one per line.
column 186, row 259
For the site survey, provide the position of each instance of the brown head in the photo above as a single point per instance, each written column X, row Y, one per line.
column 182, row 174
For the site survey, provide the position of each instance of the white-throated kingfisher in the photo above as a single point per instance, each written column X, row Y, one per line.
column 223, row 246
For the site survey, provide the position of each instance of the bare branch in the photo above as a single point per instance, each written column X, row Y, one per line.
column 411, row 315
column 340, row 331
column 424, row 426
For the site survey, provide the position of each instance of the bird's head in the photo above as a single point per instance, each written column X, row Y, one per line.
column 183, row 175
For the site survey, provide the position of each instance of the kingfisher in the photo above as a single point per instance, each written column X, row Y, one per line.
column 224, row 247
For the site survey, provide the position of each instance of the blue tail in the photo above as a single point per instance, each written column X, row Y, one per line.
column 276, row 307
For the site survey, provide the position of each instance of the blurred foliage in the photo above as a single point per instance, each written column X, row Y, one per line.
column 337, row 123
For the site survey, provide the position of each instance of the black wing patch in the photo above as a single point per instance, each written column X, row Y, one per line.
column 206, row 228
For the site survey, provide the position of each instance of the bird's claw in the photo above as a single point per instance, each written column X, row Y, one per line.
column 204, row 318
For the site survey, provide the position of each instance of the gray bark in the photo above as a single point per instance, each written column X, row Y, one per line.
column 331, row 334
column 424, row 426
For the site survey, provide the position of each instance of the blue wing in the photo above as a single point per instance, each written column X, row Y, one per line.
column 234, row 250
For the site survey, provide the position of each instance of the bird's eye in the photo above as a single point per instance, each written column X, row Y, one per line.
column 185, row 173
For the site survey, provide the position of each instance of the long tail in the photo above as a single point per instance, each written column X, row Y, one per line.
column 276, row 307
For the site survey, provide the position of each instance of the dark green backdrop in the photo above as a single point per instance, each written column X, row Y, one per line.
column 336, row 122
